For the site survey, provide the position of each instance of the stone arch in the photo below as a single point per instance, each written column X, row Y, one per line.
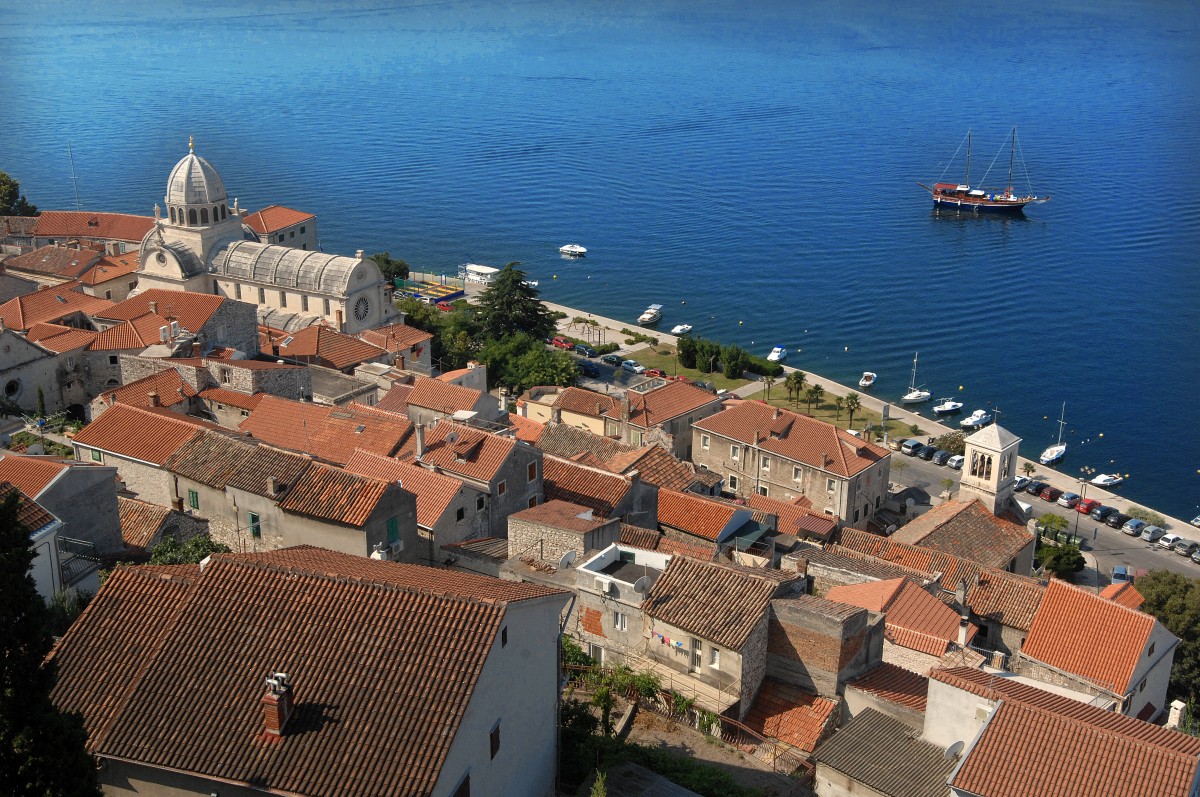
column 191, row 216
column 204, row 215
column 172, row 208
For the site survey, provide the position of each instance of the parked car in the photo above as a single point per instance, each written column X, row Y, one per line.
column 1116, row 520
column 588, row 369
column 956, row 462
column 1020, row 484
column 1122, row 574
column 1102, row 512
column 1134, row 526
column 1196, row 557
column 585, row 350
column 632, row 365
column 654, row 372
column 1035, row 488
column 1086, row 506
column 927, row 452
column 1168, row 541
column 1186, row 547
column 611, row 359
column 941, row 457
column 911, row 447
column 1050, row 494
column 561, row 343
column 1069, row 500
column 1151, row 533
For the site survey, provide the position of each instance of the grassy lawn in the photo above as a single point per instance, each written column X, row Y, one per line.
column 663, row 357
column 826, row 411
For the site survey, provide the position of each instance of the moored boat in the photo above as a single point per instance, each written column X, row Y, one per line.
column 652, row 314
column 868, row 379
column 572, row 250
column 681, row 329
column 778, row 354
column 915, row 395
column 976, row 420
column 962, row 197
column 1057, row 451
column 1107, row 480
column 946, row 406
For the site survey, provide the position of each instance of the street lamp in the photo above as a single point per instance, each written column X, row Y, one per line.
column 1085, row 473
column 711, row 360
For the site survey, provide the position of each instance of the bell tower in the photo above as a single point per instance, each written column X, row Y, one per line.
column 990, row 468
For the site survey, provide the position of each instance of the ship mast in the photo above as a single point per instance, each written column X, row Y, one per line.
column 1011, row 153
column 967, row 181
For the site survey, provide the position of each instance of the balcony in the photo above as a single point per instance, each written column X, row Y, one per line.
column 77, row 560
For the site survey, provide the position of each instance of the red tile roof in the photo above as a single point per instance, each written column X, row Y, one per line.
column 563, row 515
column 1125, row 594
column 788, row 713
column 30, row 474
column 594, row 488
column 50, row 304
column 30, row 513
column 586, row 402
column 221, row 459
column 395, row 400
column 134, row 333
column 58, row 338
column 86, row 224
column 331, row 494
column 969, row 530
column 655, row 465
column 466, row 451
column 140, row 521
column 525, row 429
column 395, row 337
column 54, row 261
column 168, row 384
column 693, row 514
column 795, row 518
column 324, row 346
column 663, row 404
column 232, row 397
column 795, row 437
column 330, row 433
column 139, row 433
column 443, row 397
column 912, row 617
column 651, row 540
column 1063, row 635
column 715, row 602
column 111, row 267
column 895, row 685
column 274, row 218
column 434, row 491
column 191, row 310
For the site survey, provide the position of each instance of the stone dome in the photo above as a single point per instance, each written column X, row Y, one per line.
column 194, row 181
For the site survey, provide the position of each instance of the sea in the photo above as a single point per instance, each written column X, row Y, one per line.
column 752, row 166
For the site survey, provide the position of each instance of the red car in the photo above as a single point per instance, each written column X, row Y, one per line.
column 654, row 372
column 562, row 343
column 1086, row 506
column 1050, row 494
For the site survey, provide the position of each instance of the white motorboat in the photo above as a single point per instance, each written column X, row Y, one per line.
column 681, row 329
column 778, row 354
column 868, row 379
column 1057, row 451
column 976, row 420
column 915, row 395
column 947, row 406
column 572, row 250
column 652, row 315
column 530, row 283
column 1107, row 480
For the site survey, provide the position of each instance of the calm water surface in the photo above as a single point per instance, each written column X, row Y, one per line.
column 750, row 166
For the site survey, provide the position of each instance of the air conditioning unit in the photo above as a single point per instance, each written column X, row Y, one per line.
column 982, row 710
column 396, row 547
column 602, row 585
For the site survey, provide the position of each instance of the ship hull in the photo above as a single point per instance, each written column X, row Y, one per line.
column 962, row 205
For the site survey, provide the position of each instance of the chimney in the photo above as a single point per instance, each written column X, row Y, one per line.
column 177, row 504
column 2, row 327
column 1175, row 715
column 277, row 703
column 154, row 307
column 358, row 254
column 339, row 321
column 625, row 409
column 153, row 396
column 272, row 486
column 419, row 433
column 196, row 348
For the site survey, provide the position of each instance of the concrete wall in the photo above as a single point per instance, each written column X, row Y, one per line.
column 85, row 500
column 518, row 489
column 831, row 783
column 547, row 542
column 856, row 701
column 953, row 714
column 302, row 235
column 146, row 482
column 728, row 677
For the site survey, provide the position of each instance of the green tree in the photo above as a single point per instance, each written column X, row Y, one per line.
column 947, row 484
column 1065, row 561
column 734, row 361
column 41, row 403
column 170, row 551
column 42, row 751
column 392, row 268
column 813, row 396
column 768, row 381
column 510, row 306
column 687, row 351
column 603, row 700
column 599, row 785
column 853, row 405
column 954, row 442
column 707, row 354
column 1029, row 468
column 518, row 362
column 1053, row 523
column 795, row 382
column 1174, row 599
column 12, row 201
column 839, row 402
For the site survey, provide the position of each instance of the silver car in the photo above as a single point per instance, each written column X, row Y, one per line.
column 1152, row 533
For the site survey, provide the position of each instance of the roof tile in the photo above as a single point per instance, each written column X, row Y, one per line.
column 788, row 713
column 594, row 488
column 969, row 530
column 693, row 514
column 273, row 218
column 50, row 304
column 912, row 617
column 329, row 493
column 141, row 433
column 87, row 224
column 716, row 602
column 466, row 451
column 327, row 432
column 895, row 685
column 434, row 491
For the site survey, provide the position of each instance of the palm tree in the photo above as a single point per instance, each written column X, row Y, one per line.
column 795, row 382
column 812, row 395
column 837, row 405
column 818, row 394
column 767, row 381
column 1029, row 468
column 853, row 404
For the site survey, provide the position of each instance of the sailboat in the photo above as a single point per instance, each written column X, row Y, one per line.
column 961, row 196
column 1057, row 451
column 915, row 395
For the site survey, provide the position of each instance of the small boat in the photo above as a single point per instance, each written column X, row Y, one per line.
column 778, row 354
column 681, row 329
column 1107, row 480
column 530, row 283
column 572, row 250
column 962, row 197
column 915, row 395
column 976, row 420
column 652, row 314
column 1057, row 451
column 947, row 406
column 1195, row 521
column 868, row 379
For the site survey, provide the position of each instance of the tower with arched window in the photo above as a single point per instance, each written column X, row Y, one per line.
column 990, row 468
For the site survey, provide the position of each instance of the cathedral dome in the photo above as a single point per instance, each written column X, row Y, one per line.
column 194, row 181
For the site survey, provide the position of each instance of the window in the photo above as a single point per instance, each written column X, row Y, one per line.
column 796, row 473
column 245, row 413
column 532, row 471
column 464, row 788
column 495, row 738
column 255, row 525
column 761, row 489
column 226, row 375
column 191, row 216
column 283, row 298
column 704, row 441
column 504, row 636
column 112, row 359
column 532, row 501
column 97, row 456
column 237, row 291
column 133, row 285
column 479, row 504
column 193, row 499
column 1142, row 685
column 596, row 653
column 620, row 621
column 292, row 234
column 70, row 362
column 829, row 485
column 855, row 515
column 108, row 294
column 393, row 530
column 733, row 482
column 304, row 302
column 326, row 307
column 280, row 237
column 734, row 452
column 766, row 464
column 714, row 658
column 302, row 231
column 262, row 295
column 501, row 488
column 1150, row 652
column 460, row 514
column 204, row 215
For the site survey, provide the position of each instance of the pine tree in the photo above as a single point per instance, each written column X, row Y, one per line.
column 510, row 306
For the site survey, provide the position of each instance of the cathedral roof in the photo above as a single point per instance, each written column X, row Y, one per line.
column 194, row 181
column 286, row 267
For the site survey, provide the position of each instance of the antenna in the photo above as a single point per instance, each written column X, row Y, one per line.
column 640, row 585
column 953, row 751
column 565, row 561
column 74, row 179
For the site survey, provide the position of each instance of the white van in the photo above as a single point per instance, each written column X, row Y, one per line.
column 955, row 462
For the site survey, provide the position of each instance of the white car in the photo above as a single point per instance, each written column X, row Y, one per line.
column 955, row 462
column 632, row 365
column 1168, row 541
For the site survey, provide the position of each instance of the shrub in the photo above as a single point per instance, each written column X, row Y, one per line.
column 1141, row 513
column 954, row 442
column 607, row 348
column 760, row 366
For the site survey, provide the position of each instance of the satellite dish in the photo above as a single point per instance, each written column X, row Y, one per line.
column 640, row 585
column 890, row 530
column 566, row 560
column 953, row 751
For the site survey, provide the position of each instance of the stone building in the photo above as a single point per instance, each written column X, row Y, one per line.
column 276, row 224
column 821, row 645
column 82, row 495
column 990, row 470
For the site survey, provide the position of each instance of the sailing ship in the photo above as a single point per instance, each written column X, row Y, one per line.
column 1057, row 451
column 915, row 395
column 961, row 196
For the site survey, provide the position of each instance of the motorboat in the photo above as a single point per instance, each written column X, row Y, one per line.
column 572, row 250
column 868, row 379
column 681, row 329
column 976, row 420
column 651, row 316
column 1057, row 451
column 778, row 354
column 1107, row 480
column 530, row 283
column 915, row 395
column 947, row 406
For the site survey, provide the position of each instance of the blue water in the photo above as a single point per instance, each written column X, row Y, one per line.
column 750, row 166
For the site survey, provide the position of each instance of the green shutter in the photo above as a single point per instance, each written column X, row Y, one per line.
column 393, row 528
column 255, row 526
column 193, row 499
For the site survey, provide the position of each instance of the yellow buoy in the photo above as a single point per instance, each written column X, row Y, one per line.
column 555, row 276
column 960, row 387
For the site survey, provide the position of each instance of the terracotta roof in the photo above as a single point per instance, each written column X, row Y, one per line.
column 434, row 491
column 54, row 261
column 395, row 400
column 1024, row 750
column 273, row 218
column 651, row 540
column 442, row 396
column 168, row 384
column 466, row 451
column 58, row 338
column 206, row 640
column 663, row 404
column 912, row 617
column 86, row 224
column 141, row 433
column 1003, row 597
column 655, row 465
column 788, row 713
column 328, row 347
column 330, row 433
column 17, row 225
column 395, row 337
column 30, row 513
column 50, row 304
column 135, row 333
column 895, row 685
column 562, row 515
column 1125, row 594
column 693, row 514
column 220, row 459
column 794, row 437
column 969, row 530
column 191, row 310
column 886, row 755
column 491, row 547
column 140, row 521
column 111, row 267
column 716, row 602
column 1063, row 635
column 329, row 493
column 795, row 519
column 30, row 474
column 863, row 565
column 594, row 488
column 232, row 397
column 525, row 429
column 569, row 441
